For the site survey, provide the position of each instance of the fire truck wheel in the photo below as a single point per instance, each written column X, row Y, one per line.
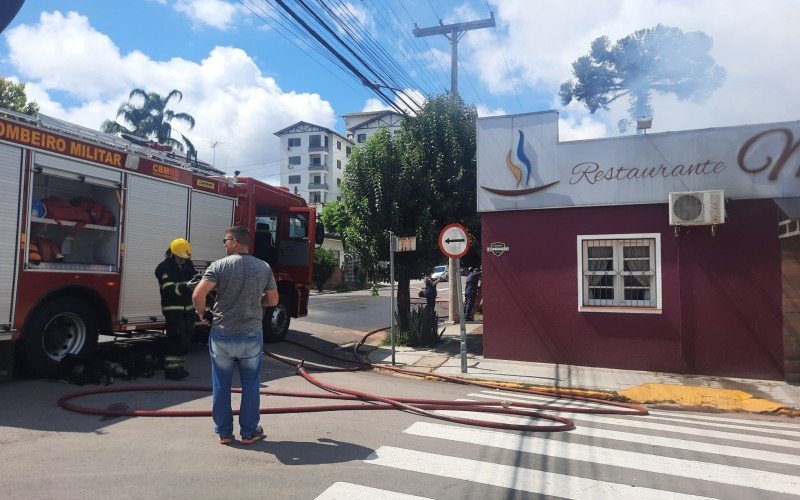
column 58, row 327
column 278, row 326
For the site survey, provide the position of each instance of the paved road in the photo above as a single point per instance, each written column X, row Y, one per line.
column 49, row 452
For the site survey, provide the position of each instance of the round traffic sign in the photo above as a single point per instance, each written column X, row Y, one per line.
column 454, row 241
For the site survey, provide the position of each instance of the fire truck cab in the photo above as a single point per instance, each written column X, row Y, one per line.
column 66, row 277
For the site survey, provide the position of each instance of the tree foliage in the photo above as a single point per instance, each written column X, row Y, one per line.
column 14, row 97
column 146, row 115
column 412, row 184
column 661, row 59
column 325, row 264
column 334, row 216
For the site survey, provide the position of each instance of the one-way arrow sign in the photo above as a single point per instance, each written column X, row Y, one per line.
column 454, row 241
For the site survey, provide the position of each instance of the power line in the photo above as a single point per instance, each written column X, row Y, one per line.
column 513, row 85
column 358, row 57
column 403, row 40
column 430, row 50
column 355, row 71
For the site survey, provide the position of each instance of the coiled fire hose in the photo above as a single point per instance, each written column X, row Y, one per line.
column 367, row 401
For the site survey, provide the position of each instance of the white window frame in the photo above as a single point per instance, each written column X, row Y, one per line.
column 619, row 306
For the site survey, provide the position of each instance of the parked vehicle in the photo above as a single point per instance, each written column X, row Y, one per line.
column 86, row 218
column 440, row 273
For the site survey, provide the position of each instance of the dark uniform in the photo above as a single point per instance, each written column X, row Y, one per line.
column 430, row 292
column 471, row 291
column 176, row 304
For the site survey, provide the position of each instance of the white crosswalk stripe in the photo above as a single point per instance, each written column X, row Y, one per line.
column 644, row 423
column 646, row 439
column 705, row 455
column 726, row 474
column 350, row 491
column 517, row 478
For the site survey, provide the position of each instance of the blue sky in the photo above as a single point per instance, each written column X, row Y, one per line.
column 244, row 79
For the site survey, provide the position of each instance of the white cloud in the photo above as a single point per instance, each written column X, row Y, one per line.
column 232, row 101
column 215, row 13
column 754, row 41
column 483, row 111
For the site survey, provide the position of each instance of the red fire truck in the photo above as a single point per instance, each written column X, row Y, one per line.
column 65, row 280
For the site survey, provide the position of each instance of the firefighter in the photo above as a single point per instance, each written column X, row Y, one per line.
column 175, row 279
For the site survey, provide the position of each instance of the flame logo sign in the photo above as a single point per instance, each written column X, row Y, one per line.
column 518, row 173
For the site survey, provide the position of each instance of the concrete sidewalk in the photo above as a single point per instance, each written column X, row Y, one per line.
column 731, row 394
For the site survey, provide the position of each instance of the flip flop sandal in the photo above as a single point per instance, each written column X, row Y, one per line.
column 258, row 435
column 225, row 440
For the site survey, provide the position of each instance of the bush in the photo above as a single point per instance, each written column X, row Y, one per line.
column 325, row 263
column 423, row 325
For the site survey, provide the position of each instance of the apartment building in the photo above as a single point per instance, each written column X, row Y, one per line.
column 362, row 126
column 313, row 161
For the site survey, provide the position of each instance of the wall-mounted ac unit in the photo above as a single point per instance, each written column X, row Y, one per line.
column 697, row 208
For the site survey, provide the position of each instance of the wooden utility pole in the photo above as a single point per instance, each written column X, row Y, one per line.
column 453, row 32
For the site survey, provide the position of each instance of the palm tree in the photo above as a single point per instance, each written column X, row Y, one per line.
column 151, row 119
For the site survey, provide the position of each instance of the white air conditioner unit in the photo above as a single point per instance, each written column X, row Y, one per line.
column 697, row 208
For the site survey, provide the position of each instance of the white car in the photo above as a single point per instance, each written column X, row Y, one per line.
column 440, row 273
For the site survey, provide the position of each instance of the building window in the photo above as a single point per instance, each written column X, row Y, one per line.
column 338, row 198
column 314, row 198
column 338, row 181
column 315, row 141
column 619, row 273
column 316, row 179
column 339, row 145
column 316, row 160
column 294, row 160
column 362, row 138
column 294, row 179
column 347, row 151
column 294, row 142
column 339, row 164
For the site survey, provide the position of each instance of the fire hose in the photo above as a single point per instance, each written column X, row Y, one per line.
column 367, row 401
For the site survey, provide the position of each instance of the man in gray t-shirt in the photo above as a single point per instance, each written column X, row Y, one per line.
column 245, row 286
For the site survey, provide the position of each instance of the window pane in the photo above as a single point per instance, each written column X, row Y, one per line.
column 637, row 288
column 600, row 258
column 601, row 287
column 636, row 258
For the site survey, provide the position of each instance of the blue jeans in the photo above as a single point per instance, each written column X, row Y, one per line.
column 227, row 352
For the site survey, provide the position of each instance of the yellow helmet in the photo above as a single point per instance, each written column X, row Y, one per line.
column 181, row 248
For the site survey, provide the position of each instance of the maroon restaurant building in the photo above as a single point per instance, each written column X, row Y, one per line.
column 672, row 252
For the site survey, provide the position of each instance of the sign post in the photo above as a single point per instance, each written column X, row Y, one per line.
column 454, row 243
column 397, row 244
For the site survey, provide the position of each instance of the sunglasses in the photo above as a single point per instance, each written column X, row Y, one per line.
column 227, row 239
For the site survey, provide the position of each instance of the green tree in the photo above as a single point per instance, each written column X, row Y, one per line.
column 334, row 216
column 660, row 59
column 412, row 184
column 325, row 264
column 146, row 115
column 13, row 97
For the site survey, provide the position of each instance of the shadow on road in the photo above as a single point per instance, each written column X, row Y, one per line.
column 324, row 451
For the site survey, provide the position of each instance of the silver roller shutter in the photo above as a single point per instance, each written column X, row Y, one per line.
column 70, row 169
column 211, row 216
column 157, row 213
column 10, row 186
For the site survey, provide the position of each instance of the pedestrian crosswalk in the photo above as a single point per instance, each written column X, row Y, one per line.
column 667, row 454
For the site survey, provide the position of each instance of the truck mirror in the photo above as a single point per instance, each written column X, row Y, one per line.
column 320, row 233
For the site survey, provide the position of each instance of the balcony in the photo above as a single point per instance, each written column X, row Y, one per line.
column 318, row 186
column 323, row 167
column 318, row 147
